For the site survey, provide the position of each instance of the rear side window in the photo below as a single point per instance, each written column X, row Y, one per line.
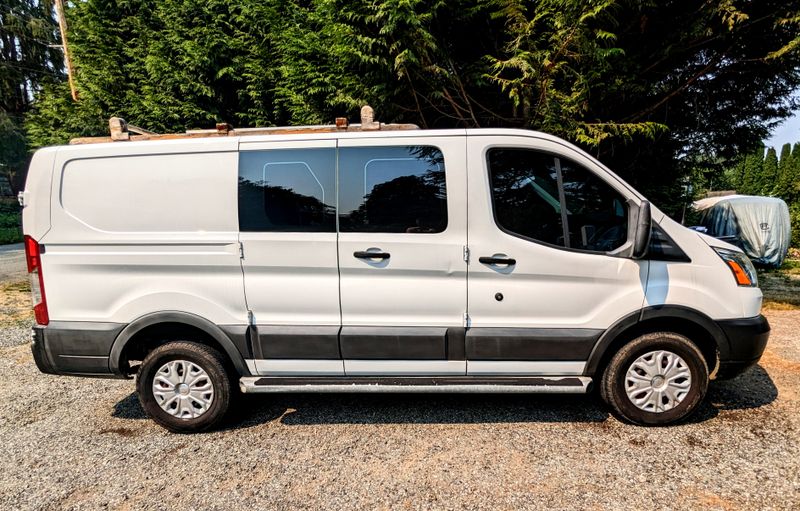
column 392, row 189
column 550, row 199
column 287, row 190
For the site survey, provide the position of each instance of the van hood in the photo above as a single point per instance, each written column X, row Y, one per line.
column 716, row 243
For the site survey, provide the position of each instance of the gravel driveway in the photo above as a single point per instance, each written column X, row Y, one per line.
column 83, row 444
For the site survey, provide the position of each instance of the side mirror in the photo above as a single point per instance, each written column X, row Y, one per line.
column 641, row 237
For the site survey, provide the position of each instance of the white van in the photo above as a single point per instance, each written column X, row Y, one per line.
column 374, row 258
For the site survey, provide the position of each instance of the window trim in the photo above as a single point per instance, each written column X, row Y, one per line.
column 681, row 257
column 561, row 198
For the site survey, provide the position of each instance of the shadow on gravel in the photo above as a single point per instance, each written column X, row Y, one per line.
column 300, row 409
column 753, row 389
column 129, row 408
column 307, row 409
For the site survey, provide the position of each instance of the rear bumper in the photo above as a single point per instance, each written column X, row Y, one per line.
column 75, row 348
column 747, row 339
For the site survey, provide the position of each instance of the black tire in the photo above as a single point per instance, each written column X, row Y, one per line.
column 206, row 358
column 613, row 382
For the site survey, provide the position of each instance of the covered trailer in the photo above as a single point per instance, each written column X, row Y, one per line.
column 758, row 225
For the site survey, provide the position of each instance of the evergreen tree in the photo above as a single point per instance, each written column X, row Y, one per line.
column 793, row 180
column 735, row 174
column 753, row 165
column 784, row 182
column 27, row 60
column 765, row 181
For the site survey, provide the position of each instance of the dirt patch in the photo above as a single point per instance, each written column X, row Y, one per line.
column 123, row 432
column 771, row 360
column 708, row 500
column 693, row 441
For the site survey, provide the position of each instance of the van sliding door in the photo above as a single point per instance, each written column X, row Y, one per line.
column 402, row 233
column 287, row 204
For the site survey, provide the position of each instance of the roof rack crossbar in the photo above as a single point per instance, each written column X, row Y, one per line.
column 120, row 130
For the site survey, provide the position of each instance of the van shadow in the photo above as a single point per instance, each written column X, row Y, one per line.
column 409, row 408
column 753, row 389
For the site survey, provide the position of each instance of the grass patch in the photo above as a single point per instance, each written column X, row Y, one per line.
column 781, row 286
column 15, row 303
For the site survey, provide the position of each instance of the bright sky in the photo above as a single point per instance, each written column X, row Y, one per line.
column 787, row 132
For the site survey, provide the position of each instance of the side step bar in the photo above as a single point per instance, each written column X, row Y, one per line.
column 418, row 384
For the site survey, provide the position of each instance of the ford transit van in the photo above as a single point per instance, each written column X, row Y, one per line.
column 373, row 258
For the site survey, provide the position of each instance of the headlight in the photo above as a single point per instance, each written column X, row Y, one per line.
column 743, row 270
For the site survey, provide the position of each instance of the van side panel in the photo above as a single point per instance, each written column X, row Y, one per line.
column 36, row 213
column 141, row 228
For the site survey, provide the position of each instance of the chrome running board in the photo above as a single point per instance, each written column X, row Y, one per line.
column 418, row 384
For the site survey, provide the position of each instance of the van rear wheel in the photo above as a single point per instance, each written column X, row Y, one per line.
column 657, row 379
column 184, row 387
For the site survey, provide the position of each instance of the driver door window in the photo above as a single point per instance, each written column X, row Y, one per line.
column 552, row 200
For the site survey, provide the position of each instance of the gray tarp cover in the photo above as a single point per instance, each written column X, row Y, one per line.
column 758, row 225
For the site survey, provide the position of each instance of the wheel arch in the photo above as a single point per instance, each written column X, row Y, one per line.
column 152, row 329
column 696, row 326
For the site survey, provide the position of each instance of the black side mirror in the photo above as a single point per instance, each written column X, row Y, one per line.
column 641, row 239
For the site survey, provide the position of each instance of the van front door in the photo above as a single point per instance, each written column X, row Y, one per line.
column 287, row 200
column 542, row 285
column 402, row 232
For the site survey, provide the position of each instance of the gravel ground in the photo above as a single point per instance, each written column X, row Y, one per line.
column 74, row 443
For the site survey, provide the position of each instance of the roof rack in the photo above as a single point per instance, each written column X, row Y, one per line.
column 120, row 130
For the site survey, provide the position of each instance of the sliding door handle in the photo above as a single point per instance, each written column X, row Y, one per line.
column 509, row 261
column 363, row 254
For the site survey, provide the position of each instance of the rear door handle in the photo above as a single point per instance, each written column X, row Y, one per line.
column 509, row 261
column 363, row 254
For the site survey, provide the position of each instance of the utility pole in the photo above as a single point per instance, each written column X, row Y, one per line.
column 62, row 26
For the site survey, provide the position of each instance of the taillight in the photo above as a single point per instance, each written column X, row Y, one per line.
column 34, row 260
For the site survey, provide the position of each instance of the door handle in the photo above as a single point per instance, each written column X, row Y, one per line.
column 363, row 254
column 509, row 261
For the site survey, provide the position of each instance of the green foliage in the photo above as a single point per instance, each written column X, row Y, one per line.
column 10, row 221
column 651, row 88
column 794, row 215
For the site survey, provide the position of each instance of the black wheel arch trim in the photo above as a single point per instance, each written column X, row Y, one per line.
column 186, row 318
column 656, row 312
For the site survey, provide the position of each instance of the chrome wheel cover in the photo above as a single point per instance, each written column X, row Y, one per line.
column 183, row 389
column 658, row 381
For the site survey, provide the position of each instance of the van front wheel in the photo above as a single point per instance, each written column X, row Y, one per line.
column 657, row 379
column 183, row 386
